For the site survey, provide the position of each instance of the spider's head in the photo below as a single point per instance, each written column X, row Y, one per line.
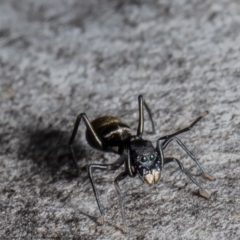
column 145, row 160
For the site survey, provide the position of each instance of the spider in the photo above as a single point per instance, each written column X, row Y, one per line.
column 140, row 157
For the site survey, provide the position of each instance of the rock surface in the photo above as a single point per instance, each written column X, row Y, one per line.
column 59, row 58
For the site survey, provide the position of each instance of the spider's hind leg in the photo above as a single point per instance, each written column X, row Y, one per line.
column 74, row 132
column 188, row 128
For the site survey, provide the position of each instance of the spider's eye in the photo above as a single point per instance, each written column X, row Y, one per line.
column 152, row 157
column 144, row 159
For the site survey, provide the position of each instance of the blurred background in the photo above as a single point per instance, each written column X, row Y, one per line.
column 59, row 58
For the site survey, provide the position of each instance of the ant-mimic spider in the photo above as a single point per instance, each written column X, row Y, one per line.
column 140, row 157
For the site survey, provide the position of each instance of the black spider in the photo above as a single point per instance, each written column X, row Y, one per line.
column 140, row 157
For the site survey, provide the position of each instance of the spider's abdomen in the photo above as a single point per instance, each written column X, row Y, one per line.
column 112, row 132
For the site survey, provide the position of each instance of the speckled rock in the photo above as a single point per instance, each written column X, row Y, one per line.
column 62, row 57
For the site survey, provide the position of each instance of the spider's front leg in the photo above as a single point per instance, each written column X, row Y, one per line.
column 165, row 143
column 120, row 177
column 161, row 147
column 202, row 192
column 107, row 167
column 169, row 138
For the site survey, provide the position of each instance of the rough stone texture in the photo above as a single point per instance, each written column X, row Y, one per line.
column 59, row 58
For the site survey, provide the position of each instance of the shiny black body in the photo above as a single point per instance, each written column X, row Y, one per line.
column 111, row 131
column 138, row 155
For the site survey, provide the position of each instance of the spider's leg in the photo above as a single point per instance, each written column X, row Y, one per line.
column 107, row 167
column 186, row 128
column 74, row 132
column 165, row 143
column 129, row 169
column 120, row 177
column 202, row 192
column 142, row 103
column 150, row 116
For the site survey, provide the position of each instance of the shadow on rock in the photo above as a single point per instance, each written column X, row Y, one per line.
column 49, row 149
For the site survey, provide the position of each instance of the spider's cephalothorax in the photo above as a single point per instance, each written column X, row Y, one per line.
column 110, row 134
column 146, row 161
